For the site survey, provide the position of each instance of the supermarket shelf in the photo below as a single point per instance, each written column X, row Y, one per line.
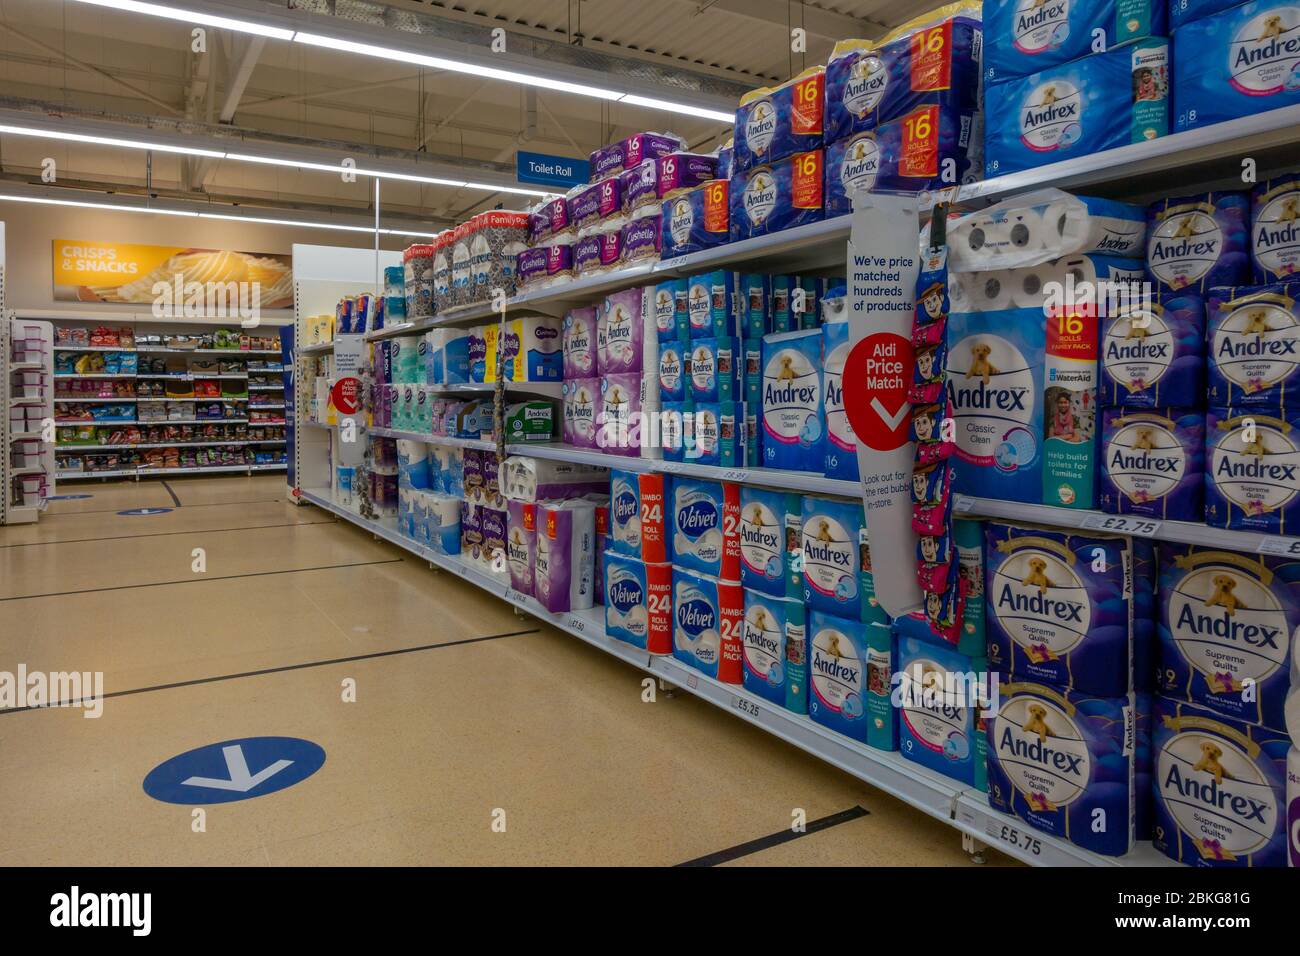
column 61, row 375
column 547, row 389
column 155, row 472
column 23, row 436
column 94, row 348
column 105, row 421
column 228, row 353
column 187, row 377
column 178, row 421
column 215, row 443
column 480, row 444
column 25, row 366
column 190, row 398
column 113, row 400
column 74, row 475
column 279, row 421
column 258, row 405
column 816, row 246
column 579, row 290
column 935, row 795
column 255, row 387
column 318, row 349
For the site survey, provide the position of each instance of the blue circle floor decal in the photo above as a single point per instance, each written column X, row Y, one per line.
column 144, row 511
column 234, row 770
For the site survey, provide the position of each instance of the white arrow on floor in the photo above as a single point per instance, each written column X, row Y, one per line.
column 891, row 420
column 240, row 780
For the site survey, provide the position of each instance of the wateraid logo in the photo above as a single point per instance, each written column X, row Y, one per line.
column 697, row 518
column 626, row 594
column 695, row 616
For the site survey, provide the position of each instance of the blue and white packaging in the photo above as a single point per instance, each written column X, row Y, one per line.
column 1254, row 348
column 765, row 550
column 1241, row 61
column 638, row 602
column 714, row 370
column 1182, row 12
column 893, row 158
column 1086, row 106
column 793, row 414
column 765, row 641
column 636, row 513
column 1153, row 354
column 754, row 303
column 1025, row 36
column 837, row 673
column 708, row 624
column 413, row 465
column 705, row 534
column 841, row 455
column 869, row 82
column 995, row 373
column 940, row 693
column 674, row 370
column 830, row 538
column 1275, row 229
column 1197, row 242
column 711, row 305
column 713, row 433
column 1220, row 788
column 672, row 313
column 772, row 124
column 781, row 195
column 1252, row 470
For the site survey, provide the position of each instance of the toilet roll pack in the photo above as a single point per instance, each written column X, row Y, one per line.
column 775, row 658
column 712, row 308
column 705, row 516
column 674, row 365
column 1237, row 62
column 925, row 62
column 1226, row 629
column 1064, row 762
column 531, row 349
column 995, row 373
column 1254, row 347
column 1153, row 463
column 1220, row 788
column 1195, row 243
column 708, row 622
column 1059, row 608
column 578, row 344
column 773, row 124
column 894, row 157
column 521, row 544
column 1275, row 229
column 793, row 416
column 713, row 433
column 714, row 370
column 1293, row 803
column 626, row 337
column 1026, row 36
column 1074, row 109
column 624, row 424
column 770, row 530
column 1153, row 353
column 841, row 444
column 1252, row 473
column 671, row 310
column 637, row 504
column 837, row 674
column 699, row 219
column 564, row 562
column 836, row 567
column 581, row 402
column 940, row 700
column 535, row 479
column 1046, row 224
column 779, row 195
column 638, row 603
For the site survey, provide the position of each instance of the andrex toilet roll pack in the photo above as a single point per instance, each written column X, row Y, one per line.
column 1025, row 36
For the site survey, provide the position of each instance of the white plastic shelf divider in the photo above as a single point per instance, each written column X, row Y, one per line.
column 935, row 795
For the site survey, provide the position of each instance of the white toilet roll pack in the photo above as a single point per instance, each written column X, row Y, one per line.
column 1025, row 288
column 1041, row 226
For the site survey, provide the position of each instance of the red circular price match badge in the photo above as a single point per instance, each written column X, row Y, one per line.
column 876, row 378
column 346, row 396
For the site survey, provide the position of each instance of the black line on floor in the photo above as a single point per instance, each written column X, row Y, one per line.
column 164, row 534
column 776, row 839
column 105, row 511
column 198, row 580
column 274, row 670
column 176, row 501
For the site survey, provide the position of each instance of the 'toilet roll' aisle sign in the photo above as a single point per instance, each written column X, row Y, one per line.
column 883, row 263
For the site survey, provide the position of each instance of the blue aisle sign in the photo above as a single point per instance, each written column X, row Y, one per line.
column 547, row 170
column 134, row 512
column 234, row 770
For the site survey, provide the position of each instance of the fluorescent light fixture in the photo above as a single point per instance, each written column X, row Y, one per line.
column 192, row 16
column 302, row 224
column 292, row 163
column 111, row 207
column 411, row 178
column 110, row 141
column 650, row 102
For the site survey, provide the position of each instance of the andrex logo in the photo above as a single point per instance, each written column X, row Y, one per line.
column 982, row 397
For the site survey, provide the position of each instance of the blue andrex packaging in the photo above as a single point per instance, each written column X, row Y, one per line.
column 696, row 220
column 1225, row 631
column 1059, row 608
column 713, row 433
column 769, row 535
column 672, row 314
column 1254, row 348
column 755, row 305
column 714, row 370
column 1197, row 242
column 1064, row 763
column 837, row 668
column 1153, row 463
column 1275, row 229
column 1220, row 789
column 1235, row 63
column 940, row 693
column 1154, row 355
column 1025, row 36
column 1182, row 12
column 793, row 425
column 995, row 373
column 674, row 370
column 1076, row 109
column 841, row 445
column 772, row 124
column 711, row 305
column 895, row 156
column 779, row 195
column 771, row 623
column 836, row 563
column 869, row 82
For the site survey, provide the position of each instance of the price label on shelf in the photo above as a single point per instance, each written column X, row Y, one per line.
column 576, row 624
column 735, row 474
column 1289, row 547
column 673, row 467
column 744, row 706
column 963, row 505
column 1014, row 837
column 1122, row 524
column 692, row 681
column 513, row 596
column 668, row 264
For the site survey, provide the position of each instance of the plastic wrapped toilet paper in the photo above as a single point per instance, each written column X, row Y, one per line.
column 521, row 544
column 565, row 557
column 626, row 337
column 413, row 465
column 1041, row 226
column 623, row 427
column 582, row 406
column 535, row 479
column 991, row 291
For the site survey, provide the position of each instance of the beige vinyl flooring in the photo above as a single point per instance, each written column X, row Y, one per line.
column 446, row 735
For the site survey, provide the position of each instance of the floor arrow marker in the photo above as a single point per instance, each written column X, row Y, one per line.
column 240, row 780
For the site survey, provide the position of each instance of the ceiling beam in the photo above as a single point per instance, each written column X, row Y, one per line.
column 826, row 24
column 239, row 78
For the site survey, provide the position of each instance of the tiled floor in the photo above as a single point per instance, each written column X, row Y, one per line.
column 531, row 726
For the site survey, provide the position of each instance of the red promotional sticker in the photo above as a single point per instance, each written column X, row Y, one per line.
column 346, row 396
column 876, row 377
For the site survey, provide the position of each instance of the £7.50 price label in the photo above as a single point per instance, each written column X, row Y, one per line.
column 1122, row 524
